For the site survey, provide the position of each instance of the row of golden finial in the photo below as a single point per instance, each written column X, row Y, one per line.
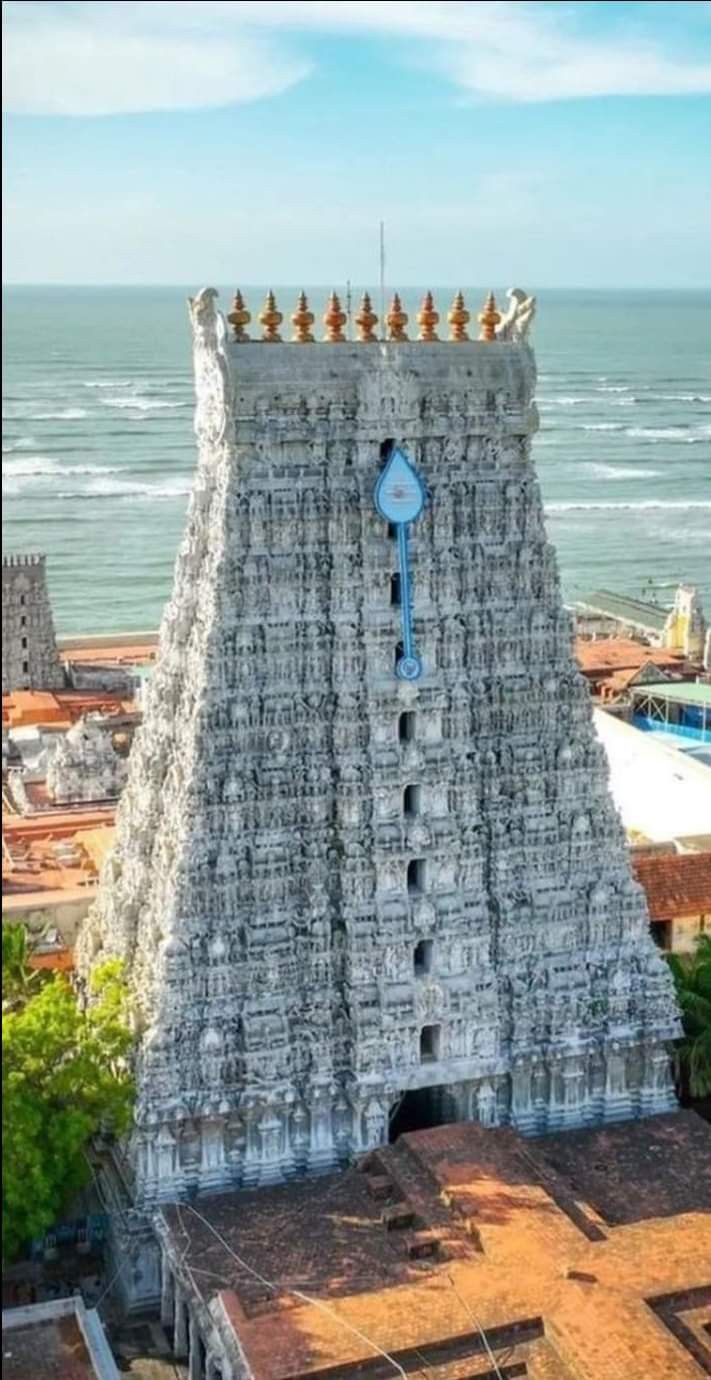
column 335, row 319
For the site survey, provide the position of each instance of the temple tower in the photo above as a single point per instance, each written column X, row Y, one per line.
column 29, row 649
column 366, row 858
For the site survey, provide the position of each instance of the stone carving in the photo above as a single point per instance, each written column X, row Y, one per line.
column 86, row 764
column 518, row 318
column 301, row 952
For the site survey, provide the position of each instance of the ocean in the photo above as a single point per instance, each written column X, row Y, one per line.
column 98, row 448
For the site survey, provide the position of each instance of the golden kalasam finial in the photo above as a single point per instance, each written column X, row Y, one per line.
column 489, row 319
column 458, row 318
column 396, row 320
column 271, row 319
column 427, row 319
column 366, row 320
column 239, row 317
column 334, row 320
column 302, row 321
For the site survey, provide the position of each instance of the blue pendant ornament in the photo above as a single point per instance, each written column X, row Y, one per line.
column 399, row 498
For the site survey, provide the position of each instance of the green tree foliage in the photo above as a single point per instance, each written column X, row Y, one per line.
column 18, row 978
column 65, row 1077
column 692, row 977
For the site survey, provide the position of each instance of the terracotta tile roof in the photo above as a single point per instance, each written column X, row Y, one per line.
column 676, row 884
column 558, row 1248
column 605, row 654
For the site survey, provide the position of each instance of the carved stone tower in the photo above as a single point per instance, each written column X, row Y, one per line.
column 367, row 863
column 29, row 649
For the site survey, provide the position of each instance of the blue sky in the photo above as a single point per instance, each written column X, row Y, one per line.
column 553, row 144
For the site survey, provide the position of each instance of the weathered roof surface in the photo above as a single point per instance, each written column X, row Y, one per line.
column 675, row 884
column 58, row 1340
column 558, row 1248
column 684, row 692
column 606, row 654
column 627, row 609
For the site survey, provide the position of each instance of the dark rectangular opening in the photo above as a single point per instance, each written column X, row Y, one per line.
column 411, row 801
column 422, row 958
column 406, row 727
column 396, row 589
column 429, row 1043
column 416, row 876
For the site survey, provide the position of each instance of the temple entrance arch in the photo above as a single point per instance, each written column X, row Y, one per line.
column 420, row 1108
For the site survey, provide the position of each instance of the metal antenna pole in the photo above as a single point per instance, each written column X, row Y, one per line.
column 349, row 307
column 382, row 278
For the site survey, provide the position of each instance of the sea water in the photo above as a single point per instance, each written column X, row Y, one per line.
column 99, row 453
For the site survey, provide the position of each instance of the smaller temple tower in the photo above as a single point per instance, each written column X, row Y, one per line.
column 30, row 660
column 685, row 628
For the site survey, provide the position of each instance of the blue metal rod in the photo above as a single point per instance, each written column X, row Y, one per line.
column 405, row 589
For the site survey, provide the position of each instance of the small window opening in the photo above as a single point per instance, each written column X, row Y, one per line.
column 399, row 652
column 22, row 598
column 406, row 727
column 24, row 643
column 395, row 589
column 392, row 531
column 386, row 448
column 422, row 959
column 23, row 621
column 25, row 668
column 429, row 1043
column 416, row 876
column 411, row 801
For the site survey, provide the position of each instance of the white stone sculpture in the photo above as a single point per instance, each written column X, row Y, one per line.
column 518, row 317
column 86, row 764
column 290, row 979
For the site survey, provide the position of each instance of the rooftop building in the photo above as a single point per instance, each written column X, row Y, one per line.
column 678, row 891
column 458, row 1252
column 613, row 665
column 681, row 629
column 60, row 1340
column 660, row 792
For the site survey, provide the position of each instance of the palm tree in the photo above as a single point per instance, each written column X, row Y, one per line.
column 692, row 977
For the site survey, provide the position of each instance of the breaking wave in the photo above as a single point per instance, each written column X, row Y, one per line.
column 67, row 414
column 602, row 426
column 662, row 433
column 142, row 404
column 108, row 383
column 118, row 488
column 623, row 471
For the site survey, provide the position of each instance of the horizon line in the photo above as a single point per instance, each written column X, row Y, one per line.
column 397, row 286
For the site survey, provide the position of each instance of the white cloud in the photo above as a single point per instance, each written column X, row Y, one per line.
column 99, row 58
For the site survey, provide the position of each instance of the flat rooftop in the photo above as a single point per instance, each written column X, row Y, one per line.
column 584, row 1256
column 61, row 1340
column 660, row 792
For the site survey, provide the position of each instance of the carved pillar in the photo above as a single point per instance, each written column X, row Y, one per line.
column 167, row 1293
column 180, row 1330
column 195, row 1366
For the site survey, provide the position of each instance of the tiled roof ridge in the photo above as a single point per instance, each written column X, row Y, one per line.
column 675, row 884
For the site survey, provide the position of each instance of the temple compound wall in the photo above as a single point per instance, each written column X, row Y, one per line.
column 341, row 892
column 29, row 649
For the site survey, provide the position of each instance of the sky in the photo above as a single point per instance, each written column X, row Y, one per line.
column 555, row 145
